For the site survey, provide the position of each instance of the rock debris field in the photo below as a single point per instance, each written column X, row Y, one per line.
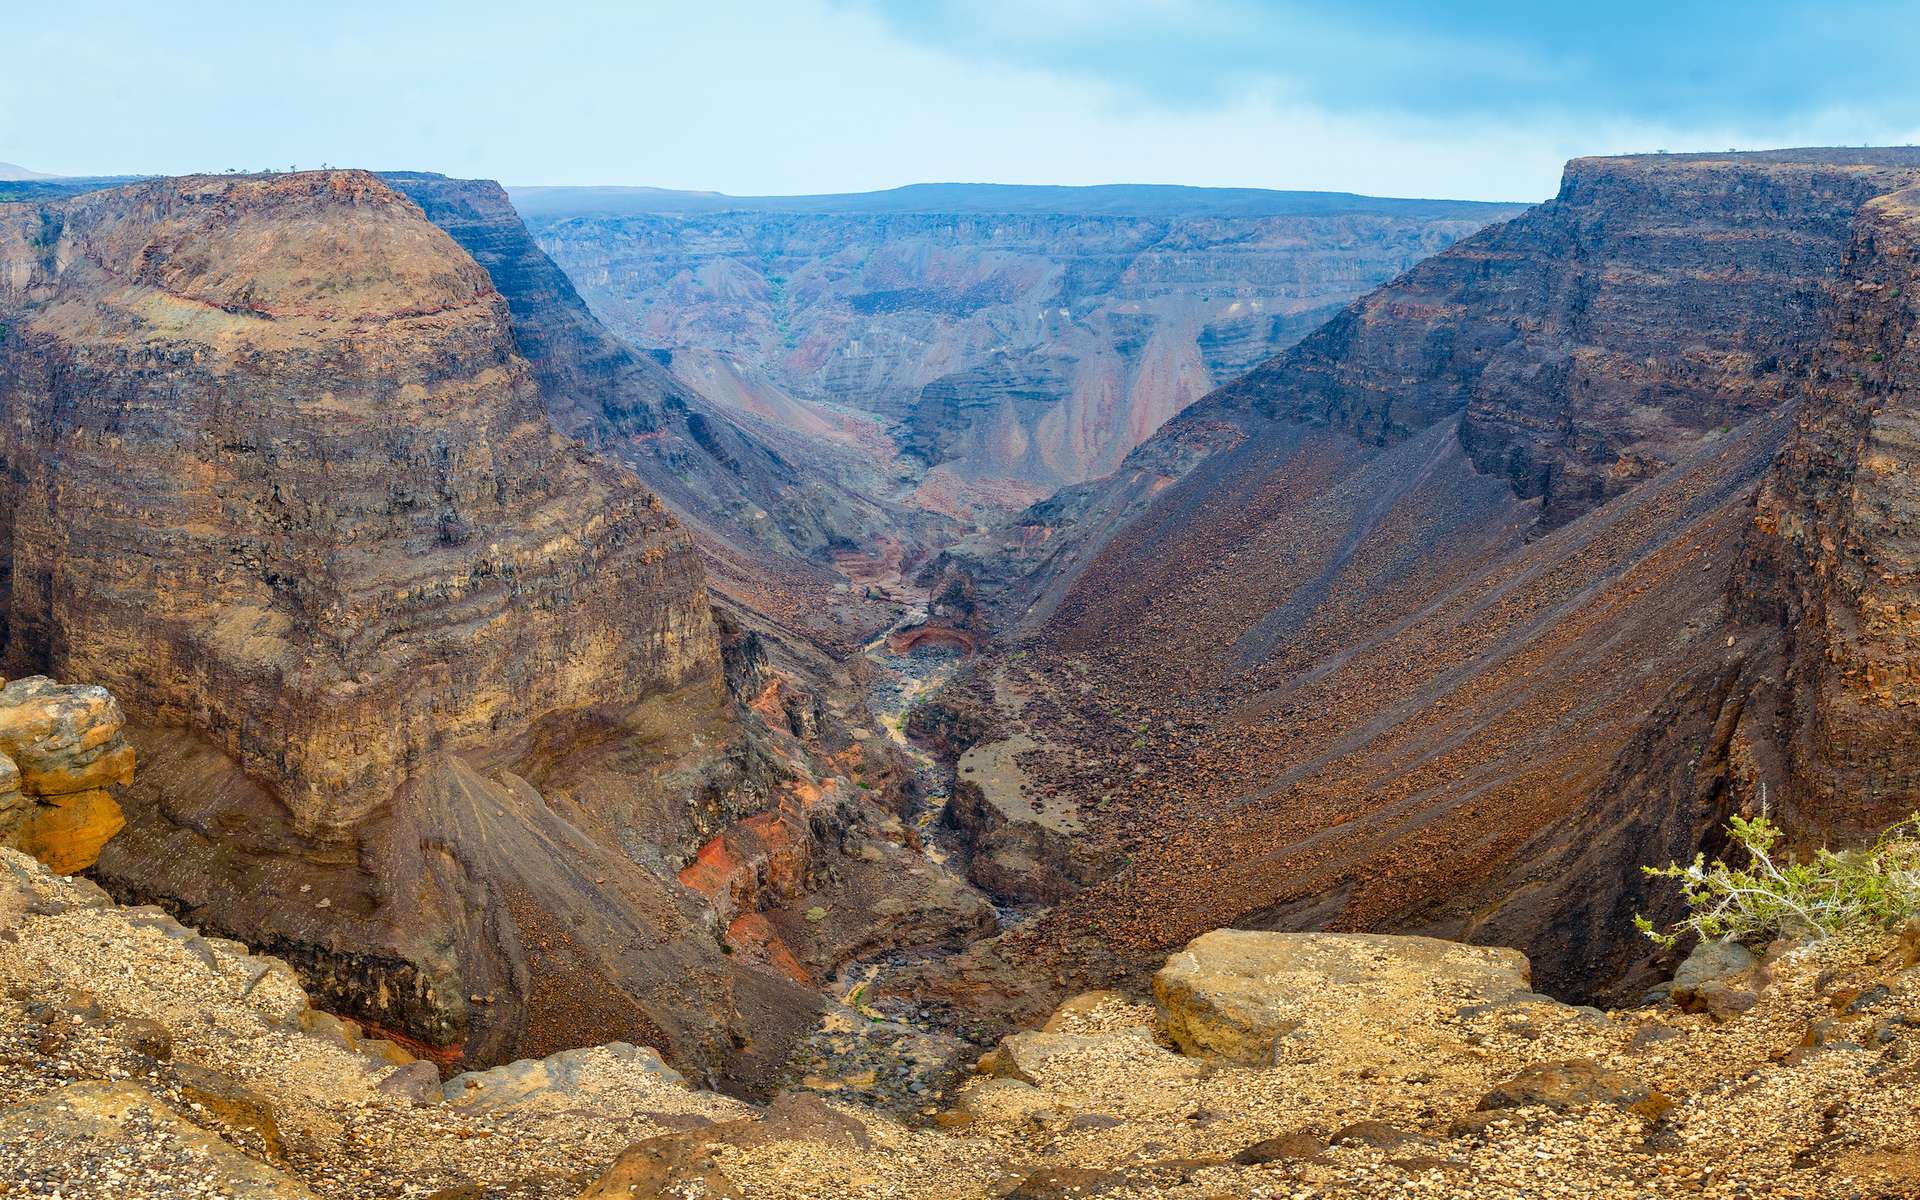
column 140, row 1059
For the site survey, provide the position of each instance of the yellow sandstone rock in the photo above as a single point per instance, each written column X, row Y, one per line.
column 61, row 748
column 66, row 832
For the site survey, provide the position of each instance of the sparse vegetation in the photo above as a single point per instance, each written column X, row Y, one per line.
column 1877, row 886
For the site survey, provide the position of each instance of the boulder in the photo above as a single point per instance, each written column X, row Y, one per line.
column 682, row 1163
column 667, row 1165
column 1040, row 1058
column 233, row 1104
column 1302, row 1145
column 1719, row 979
column 416, row 1082
column 61, row 748
column 66, row 832
column 1378, row 1134
column 63, row 737
column 1576, row 1083
column 1241, row 996
column 1054, row 1059
column 1065, row 1183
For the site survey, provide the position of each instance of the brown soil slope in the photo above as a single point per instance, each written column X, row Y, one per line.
column 1458, row 612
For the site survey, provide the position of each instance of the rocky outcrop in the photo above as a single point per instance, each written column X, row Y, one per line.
column 1236, row 995
column 61, row 754
column 1591, row 343
column 140, row 1052
column 1013, row 339
column 1832, row 737
column 420, row 687
column 313, row 395
column 109, row 1131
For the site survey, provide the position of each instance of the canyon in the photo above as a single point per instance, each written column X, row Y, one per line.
column 1008, row 340
column 997, row 673
column 428, row 698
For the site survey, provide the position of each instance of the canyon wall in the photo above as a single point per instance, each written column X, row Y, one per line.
column 271, row 451
column 1462, row 609
column 1833, row 560
column 747, row 482
column 1013, row 339
column 427, row 697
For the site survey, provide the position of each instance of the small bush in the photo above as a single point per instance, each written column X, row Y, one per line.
column 1874, row 887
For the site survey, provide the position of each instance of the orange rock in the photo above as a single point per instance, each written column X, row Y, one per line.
column 60, row 749
column 711, row 872
column 754, row 935
column 66, row 832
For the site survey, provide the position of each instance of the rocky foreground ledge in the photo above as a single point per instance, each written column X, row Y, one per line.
column 138, row 1058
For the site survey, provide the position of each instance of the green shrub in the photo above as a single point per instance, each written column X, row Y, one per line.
column 1877, row 886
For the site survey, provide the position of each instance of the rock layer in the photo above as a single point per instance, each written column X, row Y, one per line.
column 423, row 690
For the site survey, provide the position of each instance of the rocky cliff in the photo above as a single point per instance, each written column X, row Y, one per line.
column 749, row 483
column 1013, row 339
column 270, row 450
column 1441, row 620
column 1833, row 570
column 429, row 698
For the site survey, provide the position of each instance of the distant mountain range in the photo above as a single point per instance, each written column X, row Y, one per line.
column 14, row 171
column 1111, row 200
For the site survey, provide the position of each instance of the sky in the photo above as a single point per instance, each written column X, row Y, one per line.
column 1473, row 99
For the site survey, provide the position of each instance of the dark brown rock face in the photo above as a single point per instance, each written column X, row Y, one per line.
column 270, row 451
column 1807, row 708
column 1835, row 560
column 411, row 676
column 1592, row 342
column 1455, row 614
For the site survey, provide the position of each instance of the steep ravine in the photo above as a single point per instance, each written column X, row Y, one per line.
column 1443, row 620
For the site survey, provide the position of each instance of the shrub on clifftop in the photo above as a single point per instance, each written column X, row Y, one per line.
column 1877, row 886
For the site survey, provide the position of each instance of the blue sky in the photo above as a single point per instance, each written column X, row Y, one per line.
column 1474, row 99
